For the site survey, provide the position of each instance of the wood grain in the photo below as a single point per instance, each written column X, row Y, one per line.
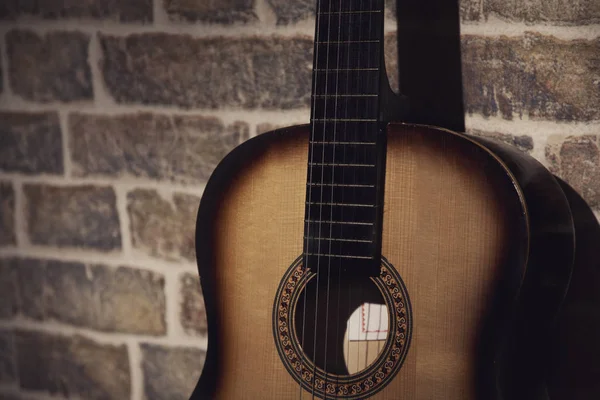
column 446, row 228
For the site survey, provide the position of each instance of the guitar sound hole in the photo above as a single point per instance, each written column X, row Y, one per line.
column 341, row 326
column 310, row 328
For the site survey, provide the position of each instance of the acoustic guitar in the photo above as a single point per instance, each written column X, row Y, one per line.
column 364, row 256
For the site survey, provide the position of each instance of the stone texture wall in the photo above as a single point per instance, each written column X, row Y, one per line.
column 113, row 113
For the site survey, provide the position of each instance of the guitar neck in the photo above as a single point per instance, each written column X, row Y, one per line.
column 344, row 189
column 347, row 68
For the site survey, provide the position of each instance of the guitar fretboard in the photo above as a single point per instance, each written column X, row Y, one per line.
column 341, row 223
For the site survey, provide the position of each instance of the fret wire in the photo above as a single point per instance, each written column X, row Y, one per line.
column 346, row 95
column 339, row 239
column 344, row 69
column 344, row 119
column 349, row 41
column 339, row 222
column 340, row 185
column 339, row 204
column 343, row 165
column 339, row 256
column 350, row 12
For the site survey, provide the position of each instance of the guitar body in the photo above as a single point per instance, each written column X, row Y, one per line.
column 476, row 238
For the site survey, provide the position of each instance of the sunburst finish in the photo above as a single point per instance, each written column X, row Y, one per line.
column 454, row 227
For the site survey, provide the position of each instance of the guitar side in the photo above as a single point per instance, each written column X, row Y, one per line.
column 458, row 228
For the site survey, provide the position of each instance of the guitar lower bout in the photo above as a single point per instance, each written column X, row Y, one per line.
column 459, row 242
column 294, row 305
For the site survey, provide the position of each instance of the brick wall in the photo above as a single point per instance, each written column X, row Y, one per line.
column 113, row 114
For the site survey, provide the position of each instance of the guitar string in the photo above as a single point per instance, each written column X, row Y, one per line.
column 335, row 118
column 310, row 186
column 343, row 211
column 361, row 27
column 379, row 77
column 324, row 121
column 353, row 138
column 333, row 173
column 322, row 174
column 379, row 329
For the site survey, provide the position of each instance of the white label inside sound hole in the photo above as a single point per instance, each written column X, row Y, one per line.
column 368, row 322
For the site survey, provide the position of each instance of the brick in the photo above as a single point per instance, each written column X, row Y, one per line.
column 52, row 67
column 9, row 304
column 559, row 12
column 7, row 215
column 470, row 10
column 170, row 373
column 163, row 228
column 576, row 159
column 192, row 312
column 534, row 76
column 99, row 297
column 72, row 366
column 78, row 216
column 522, row 142
column 182, row 149
column 117, row 10
column 390, row 8
column 257, row 72
column 31, row 291
column 215, row 11
column 30, row 143
column 288, row 12
column 8, row 371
